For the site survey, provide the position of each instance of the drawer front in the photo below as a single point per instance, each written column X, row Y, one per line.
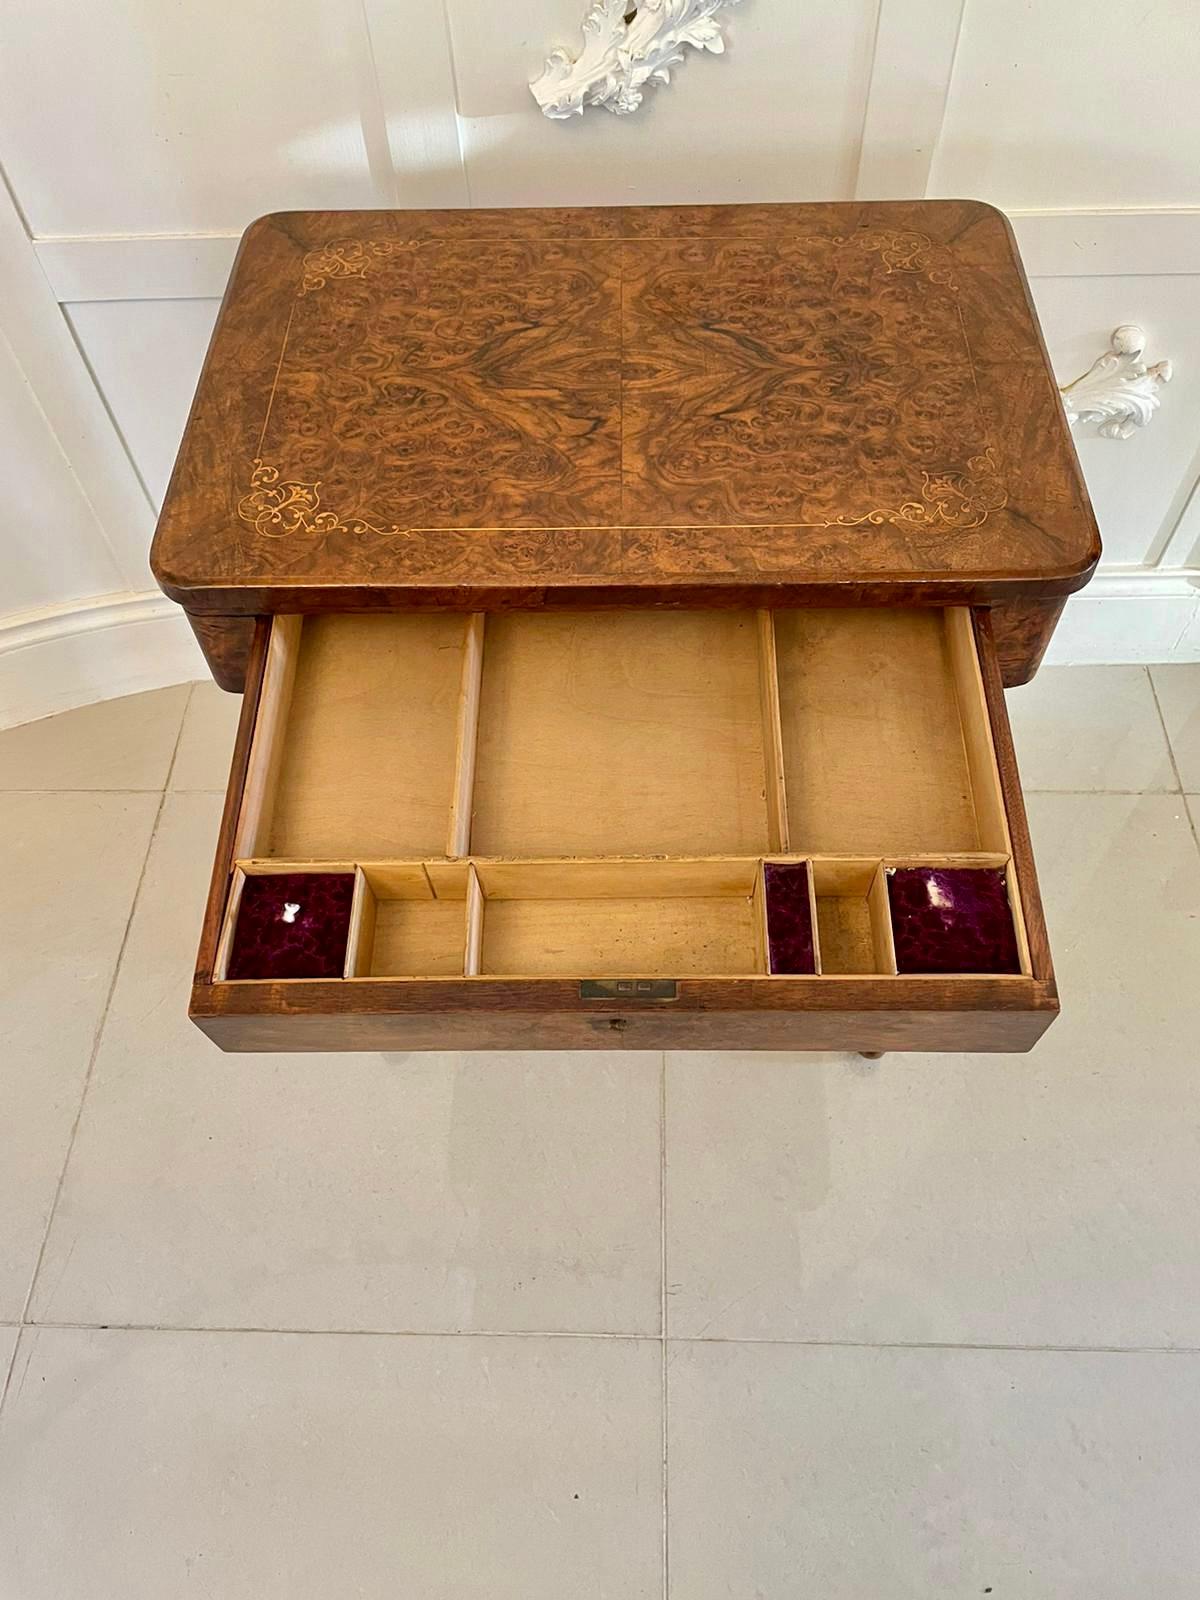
column 785, row 830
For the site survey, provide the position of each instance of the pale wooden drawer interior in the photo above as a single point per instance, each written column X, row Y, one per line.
column 603, row 794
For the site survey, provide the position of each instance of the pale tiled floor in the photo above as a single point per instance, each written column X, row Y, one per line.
column 322, row 1326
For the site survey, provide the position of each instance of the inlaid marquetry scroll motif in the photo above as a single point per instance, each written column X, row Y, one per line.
column 346, row 258
column 948, row 500
column 276, row 507
column 906, row 252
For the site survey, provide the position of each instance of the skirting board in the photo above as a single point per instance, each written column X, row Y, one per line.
column 89, row 650
column 1131, row 614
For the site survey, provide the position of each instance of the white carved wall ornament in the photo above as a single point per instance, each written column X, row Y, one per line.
column 1118, row 391
column 626, row 45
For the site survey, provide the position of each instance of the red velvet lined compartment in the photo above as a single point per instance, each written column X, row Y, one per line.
column 292, row 925
column 952, row 919
column 789, row 917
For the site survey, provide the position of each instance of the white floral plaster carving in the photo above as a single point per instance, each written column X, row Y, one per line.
column 1118, row 391
column 626, row 45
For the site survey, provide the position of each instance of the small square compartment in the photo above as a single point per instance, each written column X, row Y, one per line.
column 853, row 933
column 290, row 925
column 955, row 920
column 410, row 921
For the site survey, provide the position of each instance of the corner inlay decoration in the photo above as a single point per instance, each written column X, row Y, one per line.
column 948, row 500
column 345, row 258
column 627, row 44
column 277, row 507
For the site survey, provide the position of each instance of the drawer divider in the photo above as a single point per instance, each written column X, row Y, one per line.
column 462, row 798
column 762, row 941
column 267, row 748
column 360, row 936
column 881, row 922
column 986, row 793
column 772, row 733
column 474, row 941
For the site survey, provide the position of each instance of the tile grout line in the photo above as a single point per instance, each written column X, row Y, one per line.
column 342, row 1333
column 948, row 1344
column 147, row 789
column 97, row 1036
column 121, row 788
column 1162, row 721
column 187, row 706
column 662, row 1320
column 626, row 1338
column 1192, row 816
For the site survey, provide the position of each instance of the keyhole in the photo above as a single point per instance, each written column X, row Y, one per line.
column 630, row 15
column 290, row 908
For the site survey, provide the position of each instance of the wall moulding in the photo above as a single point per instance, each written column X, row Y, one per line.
column 1130, row 614
column 1115, row 243
column 1054, row 244
column 627, row 44
column 80, row 651
column 1119, row 391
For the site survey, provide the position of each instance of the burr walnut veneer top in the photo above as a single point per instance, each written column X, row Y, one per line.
column 474, row 407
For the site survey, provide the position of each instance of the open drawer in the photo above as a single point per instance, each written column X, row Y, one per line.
column 787, row 830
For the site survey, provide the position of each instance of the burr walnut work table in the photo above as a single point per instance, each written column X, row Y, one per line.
column 621, row 601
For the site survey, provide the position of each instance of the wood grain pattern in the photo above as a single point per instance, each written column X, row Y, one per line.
column 1021, row 630
column 840, row 1013
column 226, row 642
column 682, row 404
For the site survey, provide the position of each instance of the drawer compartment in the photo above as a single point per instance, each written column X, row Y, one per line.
column 620, row 733
column 540, row 809
column 603, row 919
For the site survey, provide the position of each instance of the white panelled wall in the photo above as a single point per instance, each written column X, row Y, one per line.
column 126, row 189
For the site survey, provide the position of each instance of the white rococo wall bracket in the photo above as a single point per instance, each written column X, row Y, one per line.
column 627, row 44
column 1118, row 391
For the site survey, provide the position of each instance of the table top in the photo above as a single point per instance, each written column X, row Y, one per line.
column 462, row 406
